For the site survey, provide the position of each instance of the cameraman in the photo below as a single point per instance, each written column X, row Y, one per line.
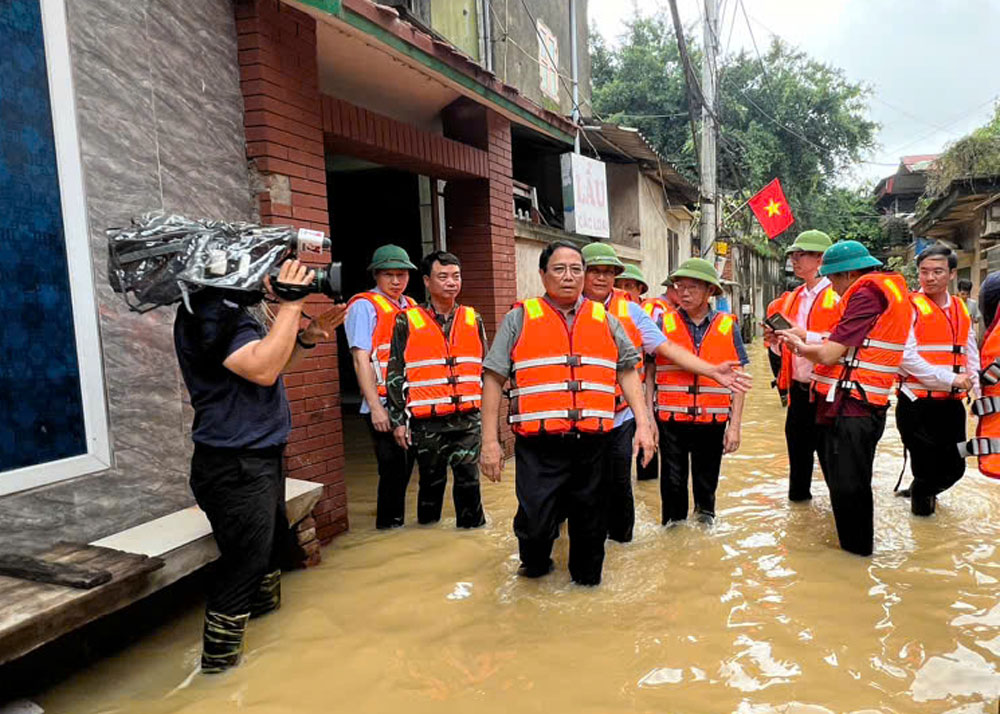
column 231, row 365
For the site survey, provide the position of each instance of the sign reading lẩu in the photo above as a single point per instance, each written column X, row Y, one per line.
column 585, row 196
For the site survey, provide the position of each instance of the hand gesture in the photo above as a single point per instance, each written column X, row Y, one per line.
column 728, row 374
column 790, row 338
column 491, row 460
column 322, row 326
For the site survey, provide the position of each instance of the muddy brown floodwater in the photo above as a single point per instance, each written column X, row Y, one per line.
column 763, row 613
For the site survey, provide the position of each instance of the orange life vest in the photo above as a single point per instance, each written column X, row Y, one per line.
column 563, row 380
column 442, row 375
column 651, row 305
column 986, row 445
column 685, row 396
column 385, row 319
column 619, row 307
column 870, row 371
column 941, row 340
column 823, row 315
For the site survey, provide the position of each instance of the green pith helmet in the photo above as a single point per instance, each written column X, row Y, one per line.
column 845, row 256
column 811, row 241
column 391, row 257
column 699, row 269
column 633, row 272
column 601, row 254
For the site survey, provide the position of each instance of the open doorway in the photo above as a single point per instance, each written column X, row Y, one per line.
column 370, row 206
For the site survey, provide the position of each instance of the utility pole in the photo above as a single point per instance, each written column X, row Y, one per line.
column 709, row 129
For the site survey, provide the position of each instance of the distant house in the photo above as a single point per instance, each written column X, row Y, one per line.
column 897, row 195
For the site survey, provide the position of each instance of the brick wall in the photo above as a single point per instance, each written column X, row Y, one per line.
column 480, row 221
column 284, row 132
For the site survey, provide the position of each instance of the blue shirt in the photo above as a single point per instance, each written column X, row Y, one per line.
column 229, row 411
column 652, row 337
column 360, row 326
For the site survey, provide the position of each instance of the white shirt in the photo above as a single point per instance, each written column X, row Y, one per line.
column 937, row 378
column 802, row 368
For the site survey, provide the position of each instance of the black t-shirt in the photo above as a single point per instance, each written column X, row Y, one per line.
column 229, row 411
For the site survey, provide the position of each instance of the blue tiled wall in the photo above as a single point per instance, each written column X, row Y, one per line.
column 41, row 412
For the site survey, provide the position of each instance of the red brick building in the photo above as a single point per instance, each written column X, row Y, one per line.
column 362, row 125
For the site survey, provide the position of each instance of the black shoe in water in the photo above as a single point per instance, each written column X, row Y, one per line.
column 923, row 505
column 536, row 571
column 706, row 519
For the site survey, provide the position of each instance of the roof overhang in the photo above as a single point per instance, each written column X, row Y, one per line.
column 380, row 28
column 948, row 213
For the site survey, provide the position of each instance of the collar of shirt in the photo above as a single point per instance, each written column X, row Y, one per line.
column 709, row 316
column 571, row 311
column 947, row 302
column 819, row 287
column 441, row 319
column 401, row 302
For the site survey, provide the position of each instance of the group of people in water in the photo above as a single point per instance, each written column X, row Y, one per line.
column 597, row 375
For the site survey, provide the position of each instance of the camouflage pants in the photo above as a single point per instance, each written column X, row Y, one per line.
column 436, row 451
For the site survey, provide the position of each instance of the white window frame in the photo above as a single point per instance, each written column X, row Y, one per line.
column 81, row 278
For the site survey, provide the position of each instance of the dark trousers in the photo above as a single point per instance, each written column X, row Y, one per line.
column 557, row 477
column 394, row 468
column 617, row 468
column 800, row 437
column 702, row 445
column 930, row 429
column 242, row 491
column 650, row 471
column 847, row 454
column 436, row 451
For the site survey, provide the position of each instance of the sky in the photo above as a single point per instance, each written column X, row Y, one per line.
column 931, row 63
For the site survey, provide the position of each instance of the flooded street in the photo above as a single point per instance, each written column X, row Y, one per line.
column 762, row 613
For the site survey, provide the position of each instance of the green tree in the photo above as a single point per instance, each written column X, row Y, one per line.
column 784, row 115
column 976, row 155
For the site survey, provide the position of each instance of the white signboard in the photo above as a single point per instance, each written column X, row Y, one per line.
column 585, row 196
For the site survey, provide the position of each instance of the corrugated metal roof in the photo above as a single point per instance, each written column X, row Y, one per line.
column 629, row 144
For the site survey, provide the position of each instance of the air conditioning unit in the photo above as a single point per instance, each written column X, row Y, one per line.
column 991, row 220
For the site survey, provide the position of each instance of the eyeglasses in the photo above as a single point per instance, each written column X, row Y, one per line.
column 576, row 270
column 687, row 288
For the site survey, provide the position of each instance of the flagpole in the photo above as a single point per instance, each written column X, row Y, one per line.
column 737, row 210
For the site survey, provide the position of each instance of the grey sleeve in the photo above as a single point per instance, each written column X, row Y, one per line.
column 498, row 358
column 628, row 355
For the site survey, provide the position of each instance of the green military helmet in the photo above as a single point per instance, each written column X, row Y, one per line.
column 601, row 254
column 633, row 272
column 699, row 269
column 845, row 256
column 390, row 257
column 811, row 241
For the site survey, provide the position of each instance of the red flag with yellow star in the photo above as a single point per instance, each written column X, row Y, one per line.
column 772, row 209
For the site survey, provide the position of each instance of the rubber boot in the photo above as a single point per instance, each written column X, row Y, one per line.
column 268, row 596
column 222, row 644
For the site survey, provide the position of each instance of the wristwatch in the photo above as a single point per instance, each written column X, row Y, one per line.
column 303, row 345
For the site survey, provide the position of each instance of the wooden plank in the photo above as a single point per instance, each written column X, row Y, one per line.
column 53, row 572
column 36, row 613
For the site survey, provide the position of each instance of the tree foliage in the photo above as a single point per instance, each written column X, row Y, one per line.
column 974, row 156
column 783, row 115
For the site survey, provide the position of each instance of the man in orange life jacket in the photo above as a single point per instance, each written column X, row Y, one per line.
column 434, row 384
column 699, row 418
column 855, row 371
column 602, row 264
column 940, row 367
column 371, row 317
column 654, row 307
column 563, row 355
column 812, row 310
column 986, row 444
column 633, row 283
column 773, row 348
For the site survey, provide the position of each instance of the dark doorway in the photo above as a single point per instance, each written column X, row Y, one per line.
column 370, row 206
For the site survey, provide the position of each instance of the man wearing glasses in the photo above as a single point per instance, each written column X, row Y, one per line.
column 812, row 310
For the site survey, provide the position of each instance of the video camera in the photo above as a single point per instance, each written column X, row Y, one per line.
column 161, row 259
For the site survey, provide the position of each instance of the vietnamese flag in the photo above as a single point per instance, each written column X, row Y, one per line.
column 772, row 209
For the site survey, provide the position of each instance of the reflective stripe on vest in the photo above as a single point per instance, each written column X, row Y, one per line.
column 563, row 380
column 684, row 396
column 941, row 339
column 619, row 307
column 442, row 375
column 986, row 445
column 870, row 371
column 385, row 320
column 821, row 318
